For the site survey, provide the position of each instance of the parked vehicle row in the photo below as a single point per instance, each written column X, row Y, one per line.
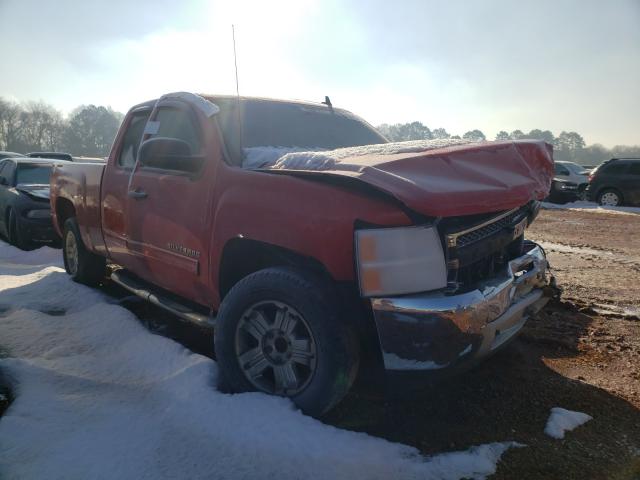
column 365, row 257
column 616, row 182
column 563, row 191
column 25, row 213
column 573, row 173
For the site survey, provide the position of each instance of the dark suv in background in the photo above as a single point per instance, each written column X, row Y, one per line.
column 616, row 182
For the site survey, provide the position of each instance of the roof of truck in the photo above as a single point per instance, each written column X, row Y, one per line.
column 213, row 97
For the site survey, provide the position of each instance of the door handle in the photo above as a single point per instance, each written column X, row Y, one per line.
column 137, row 194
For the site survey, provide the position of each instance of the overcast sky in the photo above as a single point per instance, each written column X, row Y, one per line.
column 488, row 64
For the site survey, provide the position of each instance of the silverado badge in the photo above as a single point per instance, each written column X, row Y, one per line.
column 183, row 250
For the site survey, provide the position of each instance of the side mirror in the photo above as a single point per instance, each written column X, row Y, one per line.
column 169, row 154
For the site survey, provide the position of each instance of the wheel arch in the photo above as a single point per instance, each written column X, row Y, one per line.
column 241, row 257
column 604, row 188
column 64, row 209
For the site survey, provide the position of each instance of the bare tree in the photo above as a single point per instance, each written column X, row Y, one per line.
column 10, row 124
column 91, row 130
column 40, row 124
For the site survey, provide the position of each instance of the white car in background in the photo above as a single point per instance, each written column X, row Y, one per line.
column 574, row 173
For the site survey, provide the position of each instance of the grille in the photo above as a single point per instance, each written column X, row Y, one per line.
column 479, row 252
column 463, row 239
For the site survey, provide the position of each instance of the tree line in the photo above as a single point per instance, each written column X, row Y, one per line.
column 88, row 130
column 569, row 146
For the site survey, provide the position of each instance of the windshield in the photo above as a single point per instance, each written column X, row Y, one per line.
column 283, row 124
column 33, row 174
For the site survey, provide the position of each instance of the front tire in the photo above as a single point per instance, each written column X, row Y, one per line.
column 609, row 198
column 279, row 331
column 82, row 265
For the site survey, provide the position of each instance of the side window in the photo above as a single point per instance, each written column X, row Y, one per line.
column 177, row 123
column 132, row 138
column 560, row 170
column 635, row 168
column 616, row 168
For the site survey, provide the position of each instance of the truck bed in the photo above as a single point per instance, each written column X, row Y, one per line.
column 75, row 191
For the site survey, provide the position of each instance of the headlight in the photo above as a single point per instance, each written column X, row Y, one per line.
column 39, row 213
column 396, row 261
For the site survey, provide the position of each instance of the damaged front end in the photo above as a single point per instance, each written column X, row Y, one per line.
column 495, row 280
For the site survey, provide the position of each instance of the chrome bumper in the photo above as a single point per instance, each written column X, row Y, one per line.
column 434, row 331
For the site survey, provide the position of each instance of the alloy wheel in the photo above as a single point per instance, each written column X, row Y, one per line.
column 610, row 199
column 275, row 348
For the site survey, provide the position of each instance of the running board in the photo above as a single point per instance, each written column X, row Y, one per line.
column 146, row 292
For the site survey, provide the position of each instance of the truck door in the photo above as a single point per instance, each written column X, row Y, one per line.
column 169, row 204
column 115, row 182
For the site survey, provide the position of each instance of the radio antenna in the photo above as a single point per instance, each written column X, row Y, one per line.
column 235, row 61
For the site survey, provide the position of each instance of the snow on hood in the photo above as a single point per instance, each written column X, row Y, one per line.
column 304, row 159
column 98, row 396
column 437, row 178
column 35, row 190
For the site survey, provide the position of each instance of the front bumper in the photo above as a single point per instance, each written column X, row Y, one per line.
column 434, row 331
column 37, row 230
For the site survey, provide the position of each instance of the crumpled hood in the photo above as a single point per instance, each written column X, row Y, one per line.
column 460, row 179
column 33, row 190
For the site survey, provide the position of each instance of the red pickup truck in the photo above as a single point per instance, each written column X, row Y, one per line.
column 311, row 244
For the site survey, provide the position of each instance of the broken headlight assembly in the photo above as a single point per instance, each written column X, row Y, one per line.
column 397, row 261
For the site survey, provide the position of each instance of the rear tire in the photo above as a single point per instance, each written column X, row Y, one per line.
column 16, row 237
column 279, row 331
column 82, row 265
column 609, row 198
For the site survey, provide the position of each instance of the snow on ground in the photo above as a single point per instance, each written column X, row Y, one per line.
column 591, row 206
column 561, row 421
column 99, row 396
column 298, row 159
column 41, row 256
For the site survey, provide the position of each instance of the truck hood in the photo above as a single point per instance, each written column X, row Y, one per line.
column 33, row 190
column 457, row 179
